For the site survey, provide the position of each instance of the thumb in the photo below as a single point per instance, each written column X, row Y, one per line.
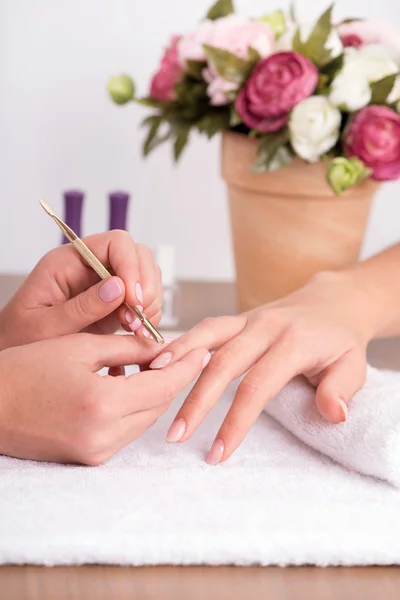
column 90, row 306
column 339, row 384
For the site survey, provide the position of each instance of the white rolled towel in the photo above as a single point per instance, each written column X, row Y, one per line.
column 368, row 442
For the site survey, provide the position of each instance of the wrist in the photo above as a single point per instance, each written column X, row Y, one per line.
column 371, row 299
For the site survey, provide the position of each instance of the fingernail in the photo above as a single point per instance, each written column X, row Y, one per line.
column 110, row 290
column 216, row 452
column 176, row 431
column 161, row 361
column 139, row 293
column 135, row 325
column 145, row 333
column 206, row 360
column 345, row 410
column 129, row 317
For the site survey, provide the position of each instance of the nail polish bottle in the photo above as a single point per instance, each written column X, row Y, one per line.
column 73, row 204
column 118, row 210
column 165, row 258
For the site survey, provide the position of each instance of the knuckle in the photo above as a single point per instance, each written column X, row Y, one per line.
column 250, row 386
column 94, row 407
column 222, row 360
column 119, row 235
column 91, row 446
column 208, row 323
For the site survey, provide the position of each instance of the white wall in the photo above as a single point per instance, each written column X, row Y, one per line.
column 59, row 129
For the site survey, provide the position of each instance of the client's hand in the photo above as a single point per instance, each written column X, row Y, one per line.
column 321, row 331
column 63, row 295
column 55, row 407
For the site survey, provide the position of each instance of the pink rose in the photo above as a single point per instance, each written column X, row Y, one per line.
column 190, row 46
column 276, row 85
column 168, row 75
column 236, row 36
column 364, row 33
column 373, row 136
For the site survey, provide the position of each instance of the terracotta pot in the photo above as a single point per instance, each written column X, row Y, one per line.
column 288, row 225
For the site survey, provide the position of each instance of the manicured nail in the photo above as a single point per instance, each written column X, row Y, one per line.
column 135, row 325
column 139, row 293
column 206, row 360
column 145, row 333
column 345, row 410
column 130, row 317
column 161, row 361
column 216, row 452
column 110, row 290
column 176, row 431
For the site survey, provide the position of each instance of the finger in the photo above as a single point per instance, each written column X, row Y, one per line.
column 115, row 249
column 210, row 334
column 266, row 379
column 153, row 388
column 132, row 427
column 116, row 372
column 86, row 308
column 339, row 384
column 113, row 350
column 228, row 363
column 149, row 278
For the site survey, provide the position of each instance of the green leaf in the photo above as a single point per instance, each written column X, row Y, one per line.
column 381, row 89
column 315, row 47
column 195, row 68
column 273, row 152
column 214, row 123
column 228, row 65
column 332, row 68
column 254, row 56
column 153, row 139
column 351, row 20
column 181, row 140
column 151, row 102
column 222, row 8
column 276, row 21
column 235, row 119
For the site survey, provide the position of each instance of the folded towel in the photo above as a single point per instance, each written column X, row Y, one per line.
column 369, row 441
column 275, row 502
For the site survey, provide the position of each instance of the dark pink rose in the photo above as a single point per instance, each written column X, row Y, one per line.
column 352, row 40
column 168, row 75
column 373, row 136
column 276, row 85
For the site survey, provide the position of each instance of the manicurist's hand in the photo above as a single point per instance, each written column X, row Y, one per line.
column 63, row 295
column 54, row 406
column 321, row 331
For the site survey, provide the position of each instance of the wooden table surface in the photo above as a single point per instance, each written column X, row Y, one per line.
column 199, row 583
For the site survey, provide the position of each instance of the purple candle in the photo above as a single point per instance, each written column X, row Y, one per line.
column 73, row 202
column 119, row 202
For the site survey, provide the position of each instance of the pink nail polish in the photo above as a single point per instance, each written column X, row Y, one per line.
column 129, row 317
column 145, row 333
column 345, row 410
column 206, row 360
column 136, row 325
column 161, row 361
column 139, row 293
column 216, row 452
column 110, row 290
column 176, row 431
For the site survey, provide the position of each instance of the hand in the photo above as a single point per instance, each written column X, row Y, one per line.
column 55, row 407
column 63, row 295
column 321, row 331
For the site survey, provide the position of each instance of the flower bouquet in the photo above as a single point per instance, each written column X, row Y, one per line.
column 308, row 111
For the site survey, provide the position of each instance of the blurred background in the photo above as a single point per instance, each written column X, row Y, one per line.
column 59, row 130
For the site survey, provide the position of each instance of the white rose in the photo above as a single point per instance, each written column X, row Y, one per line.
column 314, row 127
column 374, row 62
column 350, row 92
column 351, row 88
column 285, row 42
